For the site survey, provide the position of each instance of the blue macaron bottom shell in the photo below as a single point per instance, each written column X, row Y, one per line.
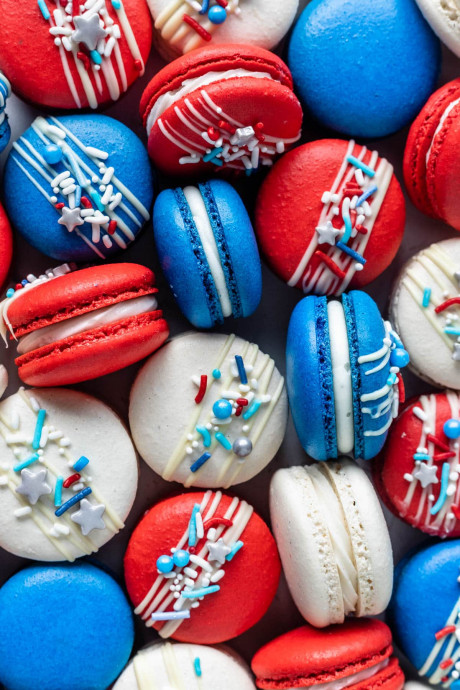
column 63, row 627
column 29, row 195
column 364, row 68
column 426, row 590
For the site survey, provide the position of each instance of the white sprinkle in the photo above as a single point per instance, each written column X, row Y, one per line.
column 199, row 526
column 108, row 175
column 212, row 534
column 421, row 414
column 201, row 562
column 107, row 241
column 59, row 178
column 190, row 572
column 408, row 477
column 3, row 480
column 22, row 512
column 116, row 201
column 217, row 576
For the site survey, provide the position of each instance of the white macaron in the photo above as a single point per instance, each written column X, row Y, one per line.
column 444, row 18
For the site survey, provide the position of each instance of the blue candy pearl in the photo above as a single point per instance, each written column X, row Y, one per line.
column 217, row 14
column 10, row 292
column 222, row 409
column 165, row 564
column 52, row 154
column 451, row 428
column 181, row 558
column 399, row 358
column 216, row 374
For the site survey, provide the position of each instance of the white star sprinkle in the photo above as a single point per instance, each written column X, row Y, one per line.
column 89, row 516
column 426, row 474
column 70, row 218
column 456, row 352
column 217, row 551
column 88, row 30
column 33, row 485
column 327, row 234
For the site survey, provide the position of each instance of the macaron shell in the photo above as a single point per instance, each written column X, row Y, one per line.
column 286, row 221
column 444, row 19
column 239, row 604
column 6, row 245
column 34, row 67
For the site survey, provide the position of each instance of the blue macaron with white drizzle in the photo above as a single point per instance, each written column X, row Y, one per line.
column 208, row 252
column 343, row 375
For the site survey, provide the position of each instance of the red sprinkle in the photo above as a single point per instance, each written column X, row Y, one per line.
column 138, row 65
column 71, row 480
column 242, row 401
column 448, row 630
column 437, row 442
column 443, row 456
column 456, row 511
column 444, row 679
column 215, row 522
column 401, row 389
column 353, row 215
column 448, row 303
column 361, row 229
column 59, row 206
column 222, row 3
column 202, row 390
column 85, row 59
column 238, row 411
column 75, row 8
column 86, row 202
column 198, row 28
column 446, row 663
column 18, row 286
column 227, row 127
column 213, row 134
column 332, row 266
column 112, row 227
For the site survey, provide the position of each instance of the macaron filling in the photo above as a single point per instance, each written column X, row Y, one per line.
column 166, row 100
column 438, row 129
column 346, row 681
column 85, row 322
column 341, row 376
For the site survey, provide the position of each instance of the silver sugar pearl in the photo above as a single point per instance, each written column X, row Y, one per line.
column 242, row 447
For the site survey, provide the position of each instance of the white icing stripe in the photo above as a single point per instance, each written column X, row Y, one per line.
column 438, row 129
column 438, row 673
column 352, row 679
column 85, row 322
column 204, row 227
column 341, row 377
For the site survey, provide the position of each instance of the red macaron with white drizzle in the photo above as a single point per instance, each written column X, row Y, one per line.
column 6, row 245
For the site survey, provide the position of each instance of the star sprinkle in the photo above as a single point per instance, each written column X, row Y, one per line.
column 456, row 352
column 426, row 474
column 33, row 485
column 218, row 551
column 70, row 218
column 89, row 516
column 327, row 234
column 88, row 31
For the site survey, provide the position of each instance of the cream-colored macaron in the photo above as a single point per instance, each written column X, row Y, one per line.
column 444, row 18
column 333, row 541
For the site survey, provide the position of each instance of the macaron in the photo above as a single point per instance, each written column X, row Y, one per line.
column 431, row 171
column 201, row 567
column 229, row 107
column 424, row 612
column 424, row 308
column 74, row 56
column 444, row 19
column 191, row 666
column 345, row 227
column 5, row 129
column 343, row 375
column 77, row 622
column 363, row 70
column 64, row 489
column 6, row 245
column 220, row 405
column 75, row 326
column 208, row 252
column 78, row 187
column 356, row 654
column 417, row 473
column 333, row 541
column 182, row 26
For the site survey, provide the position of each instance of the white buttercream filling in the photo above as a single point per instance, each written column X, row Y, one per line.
column 341, row 377
column 167, row 99
column 79, row 324
column 444, row 117
column 353, row 679
column 204, row 227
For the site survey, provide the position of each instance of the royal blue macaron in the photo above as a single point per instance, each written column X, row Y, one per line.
column 364, row 68
column 78, row 187
column 342, row 375
column 63, row 627
column 424, row 611
column 208, row 252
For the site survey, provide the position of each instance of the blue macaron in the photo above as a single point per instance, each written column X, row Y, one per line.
column 208, row 252
column 78, row 187
column 63, row 627
column 364, row 68
column 425, row 612
column 343, row 366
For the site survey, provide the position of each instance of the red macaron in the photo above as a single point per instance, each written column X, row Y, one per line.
column 356, row 654
column 204, row 565
column 83, row 324
column 417, row 473
column 223, row 107
column 330, row 215
column 58, row 56
column 431, row 164
column 6, row 245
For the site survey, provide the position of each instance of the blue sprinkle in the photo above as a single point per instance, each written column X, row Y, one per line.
column 359, row 164
column 252, row 409
column 116, row 4
column 452, row 331
column 77, row 195
column 38, row 429
column 80, row 464
column 97, row 199
column 369, row 192
column 72, row 501
column 217, row 14
column 443, row 491
column 205, row 434
column 223, row 440
column 10, row 292
column 216, row 374
column 217, row 161
column 24, row 282
column 235, row 548
column 58, row 491
column 204, row 7
column 426, row 297
column 52, row 154
column 421, row 456
column 197, row 666
column 348, row 227
column 43, row 9
column 391, row 380
column 241, row 369
column 212, row 154
column 351, row 252
column 197, row 593
column 192, row 525
column 95, row 57
column 200, row 462
column 30, row 461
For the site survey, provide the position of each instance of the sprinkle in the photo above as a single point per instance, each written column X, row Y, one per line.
column 241, row 369
column 223, row 440
column 72, row 501
column 252, row 409
column 212, row 154
column 438, row 457
column 71, row 480
column 201, row 563
column 446, row 663
column 22, row 512
column 33, row 458
column 84, row 59
column 58, row 491
column 205, row 434
column 198, row 593
column 86, row 202
column 227, row 127
column 202, row 390
column 438, row 443
column 426, row 297
column 38, row 429
column 97, row 199
column 359, row 164
column 44, row 9
column 421, row 456
column 235, row 548
column 201, row 31
column 96, row 153
column 10, row 292
column 218, row 576
column 96, row 57
column 452, row 331
column 80, row 464
column 196, row 661
column 448, row 630
column 332, row 266
column 216, row 374
column 199, row 526
column 448, row 303
column 216, row 521
column 204, row 9
column 408, row 477
column 351, row 252
column 170, row 615
column 401, row 389
column 443, row 491
column 200, row 462
column 418, row 412
column 192, row 535
column 369, row 192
